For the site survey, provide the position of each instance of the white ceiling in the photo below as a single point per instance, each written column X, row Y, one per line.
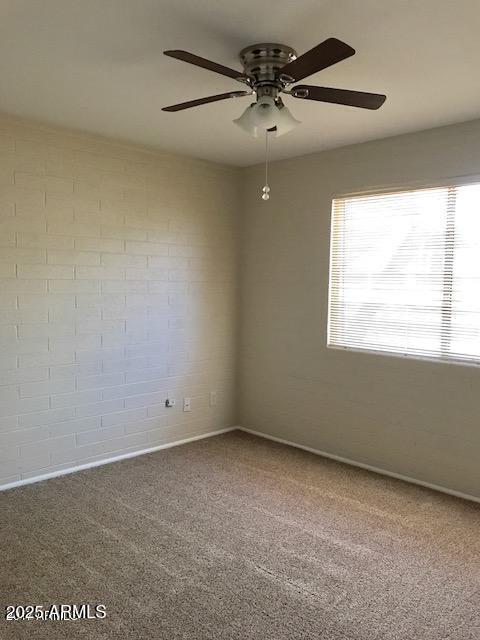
column 97, row 65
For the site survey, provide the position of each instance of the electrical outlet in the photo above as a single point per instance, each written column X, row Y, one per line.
column 213, row 398
column 169, row 403
column 187, row 404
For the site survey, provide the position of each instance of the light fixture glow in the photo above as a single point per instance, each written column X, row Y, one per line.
column 266, row 114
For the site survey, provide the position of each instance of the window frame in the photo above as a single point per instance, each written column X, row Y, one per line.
column 414, row 185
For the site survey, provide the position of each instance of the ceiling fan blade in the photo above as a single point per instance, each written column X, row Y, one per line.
column 191, row 58
column 320, row 57
column 199, row 101
column 339, row 96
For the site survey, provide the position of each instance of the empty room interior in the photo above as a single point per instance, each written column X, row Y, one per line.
column 239, row 320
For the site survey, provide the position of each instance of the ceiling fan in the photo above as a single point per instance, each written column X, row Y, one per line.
column 268, row 71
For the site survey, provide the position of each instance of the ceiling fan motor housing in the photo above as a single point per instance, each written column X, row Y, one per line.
column 262, row 62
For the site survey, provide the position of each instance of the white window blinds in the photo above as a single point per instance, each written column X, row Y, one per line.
column 405, row 273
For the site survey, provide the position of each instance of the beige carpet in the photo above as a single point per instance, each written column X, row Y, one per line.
column 234, row 538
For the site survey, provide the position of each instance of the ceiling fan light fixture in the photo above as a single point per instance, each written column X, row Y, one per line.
column 266, row 115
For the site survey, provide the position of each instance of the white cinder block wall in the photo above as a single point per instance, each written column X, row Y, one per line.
column 118, row 289
column 411, row 417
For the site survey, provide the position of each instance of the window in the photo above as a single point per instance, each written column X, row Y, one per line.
column 405, row 273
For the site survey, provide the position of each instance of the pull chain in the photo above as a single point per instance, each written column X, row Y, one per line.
column 266, row 188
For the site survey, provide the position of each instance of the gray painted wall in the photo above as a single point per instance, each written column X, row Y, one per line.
column 412, row 417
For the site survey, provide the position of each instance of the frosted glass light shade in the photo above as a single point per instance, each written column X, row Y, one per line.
column 266, row 114
column 285, row 122
column 247, row 122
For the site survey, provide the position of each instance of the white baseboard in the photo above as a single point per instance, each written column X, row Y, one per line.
column 362, row 465
column 176, row 443
column 121, row 456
